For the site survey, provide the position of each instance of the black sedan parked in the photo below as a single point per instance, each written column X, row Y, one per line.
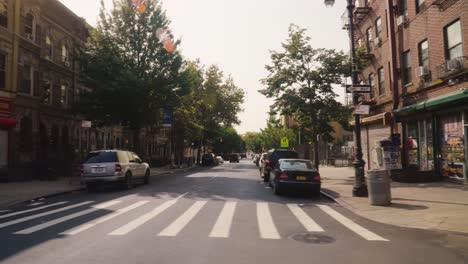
column 295, row 174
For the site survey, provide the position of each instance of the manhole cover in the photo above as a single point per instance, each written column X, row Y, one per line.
column 311, row 238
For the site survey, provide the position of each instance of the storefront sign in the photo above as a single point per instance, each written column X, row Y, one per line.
column 5, row 106
column 361, row 109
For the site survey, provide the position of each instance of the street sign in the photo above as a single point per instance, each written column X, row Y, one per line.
column 361, row 109
column 284, row 142
column 358, row 88
column 86, row 124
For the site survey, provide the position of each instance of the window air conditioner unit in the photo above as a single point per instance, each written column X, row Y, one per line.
column 453, row 65
column 422, row 71
column 377, row 42
column 402, row 20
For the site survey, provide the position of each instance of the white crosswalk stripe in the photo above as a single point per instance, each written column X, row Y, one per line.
column 31, row 210
column 66, row 218
column 309, row 224
column 177, row 226
column 265, row 222
column 366, row 234
column 24, row 219
column 35, row 204
column 222, row 226
column 143, row 219
column 103, row 219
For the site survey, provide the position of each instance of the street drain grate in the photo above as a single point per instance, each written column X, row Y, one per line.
column 312, row 238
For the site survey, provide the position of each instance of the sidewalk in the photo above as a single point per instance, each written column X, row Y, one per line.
column 435, row 205
column 17, row 192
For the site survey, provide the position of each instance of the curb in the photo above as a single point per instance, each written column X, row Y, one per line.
column 78, row 189
column 82, row 188
column 357, row 212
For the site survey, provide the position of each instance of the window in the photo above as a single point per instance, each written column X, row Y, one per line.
column 2, row 71
column 49, row 52
column 453, row 40
column 403, row 7
column 47, row 94
column 64, row 54
column 419, row 6
column 372, row 84
column 423, row 53
column 369, row 38
column 366, row 3
column 63, row 95
column 381, row 76
column 29, row 26
column 406, row 67
column 378, row 27
column 24, row 73
column 3, row 15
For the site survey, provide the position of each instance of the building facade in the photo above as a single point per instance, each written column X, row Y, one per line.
column 40, row 83
column 414, row 54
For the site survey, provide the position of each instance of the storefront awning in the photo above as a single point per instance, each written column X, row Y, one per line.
column 7, row 122
column 433, row 103
column 384, row 117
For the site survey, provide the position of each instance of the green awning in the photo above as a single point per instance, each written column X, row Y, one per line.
column 433, row 103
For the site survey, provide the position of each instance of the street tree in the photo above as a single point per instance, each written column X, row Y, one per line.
column 301, row 78
column 130, row 72
column 253, row 141
column 270, row 137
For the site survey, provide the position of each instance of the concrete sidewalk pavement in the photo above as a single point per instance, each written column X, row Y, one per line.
column 434, row 205
column 12, row 193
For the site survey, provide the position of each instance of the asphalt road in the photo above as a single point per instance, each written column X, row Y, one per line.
column 223, row 214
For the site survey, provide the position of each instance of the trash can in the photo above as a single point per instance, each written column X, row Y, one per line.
column 378, row 185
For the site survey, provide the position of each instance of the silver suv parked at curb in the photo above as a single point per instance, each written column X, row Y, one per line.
column 117, row 166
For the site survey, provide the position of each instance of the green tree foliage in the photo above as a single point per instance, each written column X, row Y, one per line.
column 229, row 141
column 130, row 75
column 301, row 81
column 271, row 136
column 253, row 141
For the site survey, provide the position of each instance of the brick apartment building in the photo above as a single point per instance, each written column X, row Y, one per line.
column 414, row 54
column 39, row 82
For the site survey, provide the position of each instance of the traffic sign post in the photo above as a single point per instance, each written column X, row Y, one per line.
column 284, row 143
column 358, row 88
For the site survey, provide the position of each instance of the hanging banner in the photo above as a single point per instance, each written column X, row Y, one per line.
column 167, row 117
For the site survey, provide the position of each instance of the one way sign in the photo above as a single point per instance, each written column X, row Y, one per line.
column 358, row 88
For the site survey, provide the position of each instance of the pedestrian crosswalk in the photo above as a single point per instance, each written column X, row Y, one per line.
column 128, row 216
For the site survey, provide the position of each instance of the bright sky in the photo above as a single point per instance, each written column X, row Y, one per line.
column 237, row 35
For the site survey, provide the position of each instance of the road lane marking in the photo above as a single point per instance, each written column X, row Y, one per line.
column 222, row 226
column 24, row 219
column 309, row 224
column 34, row 204
column 177, row 226
column 47, row 224
column 125, row 229
column 366, row 234
column 265, row 222
column 31, row 210
column 102, row 219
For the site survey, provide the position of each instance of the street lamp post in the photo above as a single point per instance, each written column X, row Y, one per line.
column 359, row 188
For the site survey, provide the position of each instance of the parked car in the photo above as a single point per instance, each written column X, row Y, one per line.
column 220, row 159
column 272, row 158
column 295, row 174
column 116, row 166
column 261, row 159
column 243, row 155
column 234, row 158
column 209, row 159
